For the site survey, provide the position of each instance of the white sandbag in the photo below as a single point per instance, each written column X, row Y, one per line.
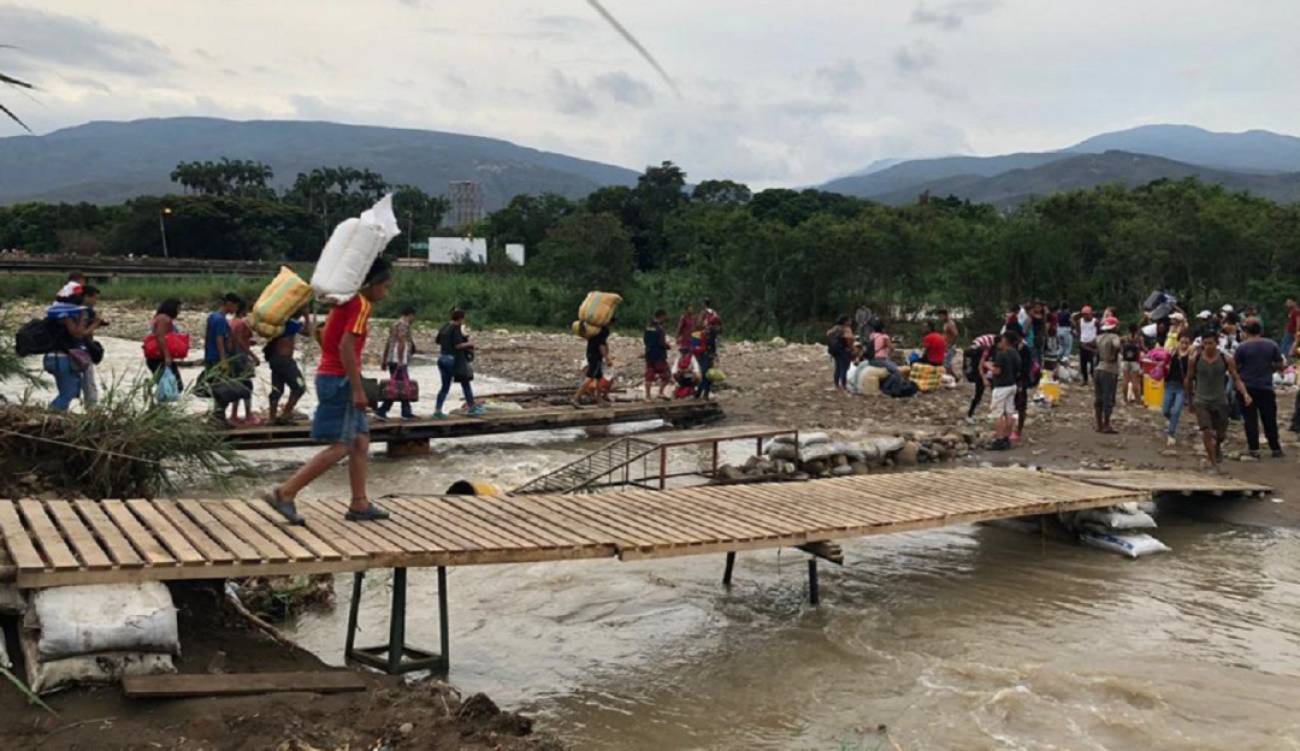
column 1113, row 518
column 883, row 445
column 95, row 618
column 842, row 471
column 352, row 248
column 783, row 451
column 1147, row 507
column 12, row 601
column 853, row 453
column 868, row 380
column 813, row 438
column 816, row 452
column 47, row 676
column 787, row 439
column 1133, row 546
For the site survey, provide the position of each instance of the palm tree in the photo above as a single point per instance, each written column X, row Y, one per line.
column 17, row 84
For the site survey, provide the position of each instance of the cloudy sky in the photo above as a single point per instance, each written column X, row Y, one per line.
column 771, row 92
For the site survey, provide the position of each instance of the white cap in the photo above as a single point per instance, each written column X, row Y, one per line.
column 1226, row 308
column 1176, row 316
column 1205, row 314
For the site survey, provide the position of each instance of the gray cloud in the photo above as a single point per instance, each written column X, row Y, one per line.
column 624, row 88
column 842, row 76
column 914, row 58
column 49, row 38
column 951, row 16
column 571, row 98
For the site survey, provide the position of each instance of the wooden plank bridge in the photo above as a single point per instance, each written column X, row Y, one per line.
column 681, row 412
column 55, row 542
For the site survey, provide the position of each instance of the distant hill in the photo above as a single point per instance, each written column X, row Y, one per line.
column 1252, row 151
column 107, row 162
column 1090, row 170
column 1255, row 151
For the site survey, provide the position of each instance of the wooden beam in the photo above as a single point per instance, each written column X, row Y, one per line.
column 240, row 684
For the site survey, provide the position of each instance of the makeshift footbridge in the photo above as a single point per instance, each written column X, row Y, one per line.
column 55, row 542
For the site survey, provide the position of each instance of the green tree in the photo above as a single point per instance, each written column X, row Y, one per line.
column 725, row 192
column 587, row 251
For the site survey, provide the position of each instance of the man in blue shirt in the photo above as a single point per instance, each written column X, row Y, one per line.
column 216, row 349
column 1257, row 360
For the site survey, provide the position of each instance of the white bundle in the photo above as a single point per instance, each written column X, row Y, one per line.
column 95, row 618
column 1133, row 546
column 350, row 251
column 45, row 676
column 1112, row 518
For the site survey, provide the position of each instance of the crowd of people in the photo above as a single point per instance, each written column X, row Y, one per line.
column 1219, row 366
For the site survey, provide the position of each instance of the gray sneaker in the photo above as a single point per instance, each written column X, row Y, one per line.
column 284, row 508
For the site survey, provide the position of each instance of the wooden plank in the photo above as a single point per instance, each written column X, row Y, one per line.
column 266, row 550
column 47, row 535
column 451, row 522
column 167, row 533
column 78, row 536
column 271, row 530
column 17, row 541
column 242, row 551
column 140, row 538
column 318, row 547
column 240, row 684
column 507, row 529
column 202, row 541
column 109, row 536
column 417, row 510
column 390, row 529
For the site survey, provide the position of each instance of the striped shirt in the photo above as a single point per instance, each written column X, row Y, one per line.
column 352, row 317
column 984, row 342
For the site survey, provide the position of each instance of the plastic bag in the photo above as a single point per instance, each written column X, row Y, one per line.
column 168, row 389
column 1133, row 546
column 350, row 251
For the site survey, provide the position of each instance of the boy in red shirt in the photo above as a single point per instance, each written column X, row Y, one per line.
column 935, row 346
column 340, row 418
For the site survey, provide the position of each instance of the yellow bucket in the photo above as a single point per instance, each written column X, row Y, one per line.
column 1050, row 390
column 473, row 487
column 1153, row 392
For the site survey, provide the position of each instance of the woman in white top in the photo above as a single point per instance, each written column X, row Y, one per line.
column 1087, row 327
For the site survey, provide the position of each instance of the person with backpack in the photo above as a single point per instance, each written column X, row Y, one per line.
column 397, row 360
column 976, row 361
column 284, row 368
column 655, row 342
column 839, row 345
column 340, row 419
column 455, row 353
column 65, row 356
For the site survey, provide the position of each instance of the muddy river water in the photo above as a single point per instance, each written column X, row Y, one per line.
column 969, row 638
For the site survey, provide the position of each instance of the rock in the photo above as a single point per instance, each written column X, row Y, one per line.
column 1247, row 458
column 777, row 342
column 729, row 472
column 909, row 455
column 859, row 468
column 406, row 728
column 840, row 460
column 751, row 463
column 1171, row 453
column 842, row 471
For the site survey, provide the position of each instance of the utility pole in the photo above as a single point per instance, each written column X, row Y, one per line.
column 162, row 227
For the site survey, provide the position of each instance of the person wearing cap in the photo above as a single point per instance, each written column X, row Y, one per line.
column 1177, row 326
column 1106, row 376
column 1086, row 329
column 340, row 419
column 1206, row 374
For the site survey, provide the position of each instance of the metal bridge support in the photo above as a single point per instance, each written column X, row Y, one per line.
column 396, row 657
column 814, row 595
column 726, row 572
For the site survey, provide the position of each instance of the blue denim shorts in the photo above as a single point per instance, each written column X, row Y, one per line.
column 337, row 419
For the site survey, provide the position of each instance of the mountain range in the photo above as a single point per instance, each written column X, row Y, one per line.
column 108, row 162
column 1259, row 161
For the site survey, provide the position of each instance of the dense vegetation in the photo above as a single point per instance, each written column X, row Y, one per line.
column 775, row 262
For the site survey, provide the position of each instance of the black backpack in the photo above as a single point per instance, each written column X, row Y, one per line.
column 971, row 363
column 835, row 341
column 869, row 347
column 898, row 387
column 34, row 338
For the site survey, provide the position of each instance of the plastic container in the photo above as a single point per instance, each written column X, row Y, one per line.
column 1153, row 392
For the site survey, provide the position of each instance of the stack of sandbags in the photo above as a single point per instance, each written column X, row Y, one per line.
column 284, row 296
column 97, row 634
column 351, row 250
column 1117, row 529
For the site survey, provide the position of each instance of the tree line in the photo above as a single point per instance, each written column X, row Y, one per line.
column 776, row 261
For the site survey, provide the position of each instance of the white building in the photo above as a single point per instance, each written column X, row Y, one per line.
column 515, row 252
column 450, row 250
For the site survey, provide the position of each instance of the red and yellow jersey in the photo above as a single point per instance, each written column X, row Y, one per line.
column 352, row 317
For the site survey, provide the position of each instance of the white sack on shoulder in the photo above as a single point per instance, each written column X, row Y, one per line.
column 94, row 618
column 350, row 251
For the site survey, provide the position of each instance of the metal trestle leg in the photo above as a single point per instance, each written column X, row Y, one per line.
column 396, row 657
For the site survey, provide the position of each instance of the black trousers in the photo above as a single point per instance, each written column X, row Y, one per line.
column 1263, row 406
column 1087, row 362
column 979, row 394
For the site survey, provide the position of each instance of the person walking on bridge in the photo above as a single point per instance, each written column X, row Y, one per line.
column 284, row 368
column 340, row 418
